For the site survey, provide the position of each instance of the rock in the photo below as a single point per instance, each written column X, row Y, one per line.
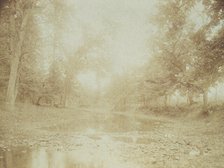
column 173, row 149
column 24, row 151
column 195, row 152
column 206, row 151
column 168, row 136
column 177, row 158
column 154, row 162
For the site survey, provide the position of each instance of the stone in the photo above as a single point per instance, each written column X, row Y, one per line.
column 195, row 152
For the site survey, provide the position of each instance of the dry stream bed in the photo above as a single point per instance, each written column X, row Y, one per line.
column 67, row 138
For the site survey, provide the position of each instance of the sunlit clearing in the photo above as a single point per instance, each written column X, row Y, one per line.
column 88, row 79
column 198, row 16
column 124, row 26
column 91, row 80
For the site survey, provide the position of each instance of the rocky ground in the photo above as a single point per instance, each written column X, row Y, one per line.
column 117, row 139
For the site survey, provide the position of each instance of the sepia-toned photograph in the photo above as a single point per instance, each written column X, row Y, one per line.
column 111, row 83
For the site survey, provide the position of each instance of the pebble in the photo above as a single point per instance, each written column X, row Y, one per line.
column 194, row 152
column 154, row 162
column 177, row 158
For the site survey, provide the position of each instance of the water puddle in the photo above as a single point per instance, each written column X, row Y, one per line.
column 22, row 157
column 107, row 123
column 134, row 140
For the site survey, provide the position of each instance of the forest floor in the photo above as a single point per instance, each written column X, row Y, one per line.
column 113, row 139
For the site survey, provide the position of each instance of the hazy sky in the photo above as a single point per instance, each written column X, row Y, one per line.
column 126, row 29
column 125, row 25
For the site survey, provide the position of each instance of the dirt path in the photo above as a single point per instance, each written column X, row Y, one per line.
column 129, row 140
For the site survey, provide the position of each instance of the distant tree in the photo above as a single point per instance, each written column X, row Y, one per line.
column 123, row 92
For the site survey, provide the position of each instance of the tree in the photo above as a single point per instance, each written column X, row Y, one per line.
column 21, row 12
column 188, row 61
column 4, row 48
column 207, row 62
column 171, row 49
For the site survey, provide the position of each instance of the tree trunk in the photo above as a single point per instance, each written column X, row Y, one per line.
column 144, row 100
column 190, row 99
column 165, row 100
column 10, row 97
column 38, row 101
column 64, row 98
column 15, row 54
column 216, row 95
column 98, row 96
column 205, row 99
column 67, row 88
column 124, row 105
column 11, row 91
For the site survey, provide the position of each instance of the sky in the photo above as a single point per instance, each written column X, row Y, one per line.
column 125, row 28
column 124, row 24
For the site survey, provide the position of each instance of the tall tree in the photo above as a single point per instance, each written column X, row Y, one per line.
column 207, row 63
column 171, row 48
column 4, row 48
column 21, row 11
